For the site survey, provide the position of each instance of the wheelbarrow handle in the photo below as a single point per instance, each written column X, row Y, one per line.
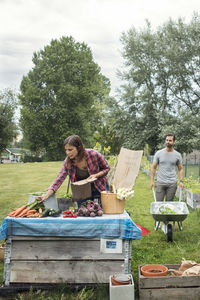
column 154, row 194
column 180, row 195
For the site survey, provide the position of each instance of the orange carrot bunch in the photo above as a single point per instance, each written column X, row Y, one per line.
column 25, row 211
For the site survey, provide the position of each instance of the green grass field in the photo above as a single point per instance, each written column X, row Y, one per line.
column 18, row 180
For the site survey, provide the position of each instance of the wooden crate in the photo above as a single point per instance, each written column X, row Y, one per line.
column 61, row 260
column 193, row 199
column 169, row 287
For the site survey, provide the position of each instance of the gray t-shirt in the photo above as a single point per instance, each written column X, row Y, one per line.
column 167, row 165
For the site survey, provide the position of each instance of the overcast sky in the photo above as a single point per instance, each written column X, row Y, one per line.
column 29, row 25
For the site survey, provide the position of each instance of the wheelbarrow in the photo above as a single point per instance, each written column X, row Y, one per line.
column 169, row 211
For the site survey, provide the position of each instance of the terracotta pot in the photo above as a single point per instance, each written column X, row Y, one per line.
column 154, row 270
column 121, row 279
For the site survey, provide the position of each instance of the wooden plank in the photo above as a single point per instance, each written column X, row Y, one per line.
column 170, row 281
column 49, row 238
column 64, row 271
column 59, row 250
column 170, row 293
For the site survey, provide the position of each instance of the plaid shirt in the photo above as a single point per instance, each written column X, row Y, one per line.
column 96, row 162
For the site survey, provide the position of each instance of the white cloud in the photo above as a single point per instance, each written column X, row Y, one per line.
column 28, row 25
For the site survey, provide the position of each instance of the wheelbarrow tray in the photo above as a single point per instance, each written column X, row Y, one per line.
column 180, row 209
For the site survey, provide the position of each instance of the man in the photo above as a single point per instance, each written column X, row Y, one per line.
column 167, row 160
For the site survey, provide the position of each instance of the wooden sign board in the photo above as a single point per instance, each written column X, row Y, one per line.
column 127, row 169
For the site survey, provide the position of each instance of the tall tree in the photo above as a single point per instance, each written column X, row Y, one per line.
column 161, row 75
column 8, row 127
column 59, row 94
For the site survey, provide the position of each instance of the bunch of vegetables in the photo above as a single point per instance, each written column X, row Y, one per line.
column 69, row 214
column 90, row 209
column 30, row 210
column 167, row 211
column 123, row 193
column 50, row 212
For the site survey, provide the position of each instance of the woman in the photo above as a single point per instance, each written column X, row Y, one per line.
column 79, row 164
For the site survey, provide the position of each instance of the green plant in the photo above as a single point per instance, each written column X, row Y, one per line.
column 145, row 163
column 192, row 184
column 105, row 150
column 38, row 193
column 67, row 195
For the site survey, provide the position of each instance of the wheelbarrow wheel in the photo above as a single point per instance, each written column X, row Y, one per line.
column 169, row 233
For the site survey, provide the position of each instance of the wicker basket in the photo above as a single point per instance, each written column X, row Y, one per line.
column 110, row 203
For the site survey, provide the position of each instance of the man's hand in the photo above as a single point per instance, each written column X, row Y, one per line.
column 152, row 185
column 181, row 185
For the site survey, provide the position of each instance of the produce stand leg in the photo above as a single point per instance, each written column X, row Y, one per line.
column 7, row 261
column 127, row 255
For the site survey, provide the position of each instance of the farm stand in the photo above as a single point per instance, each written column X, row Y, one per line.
column 57, row 250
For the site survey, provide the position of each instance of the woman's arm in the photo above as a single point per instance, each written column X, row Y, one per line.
column 97, row 162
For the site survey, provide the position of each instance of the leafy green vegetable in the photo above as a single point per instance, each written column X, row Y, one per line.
column 167, row 211
column 36, row 205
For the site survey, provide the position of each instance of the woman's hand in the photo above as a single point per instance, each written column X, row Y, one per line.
column 97, row 175
column 44, row 197
column 93, row 176
column 41, row 198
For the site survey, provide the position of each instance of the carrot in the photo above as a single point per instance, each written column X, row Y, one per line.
column 33, row 215
column 40, row 212
column 23, row 213
column 10, row 214
column 30, row 215
column 19, row 210
column 31, row 211
column 13, row 209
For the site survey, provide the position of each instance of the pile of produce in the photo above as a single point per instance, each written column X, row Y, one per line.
column 50, row 212
column 69, row 214
column 31, row 210
column 90, row 209
column 167, row 211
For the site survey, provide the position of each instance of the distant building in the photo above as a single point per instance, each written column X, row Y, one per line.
column 10, row 155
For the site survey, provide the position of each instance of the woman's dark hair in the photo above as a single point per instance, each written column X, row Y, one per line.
column 171, row 134
column 75, row 140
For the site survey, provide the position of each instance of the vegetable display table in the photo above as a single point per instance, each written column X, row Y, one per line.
column 57, row 250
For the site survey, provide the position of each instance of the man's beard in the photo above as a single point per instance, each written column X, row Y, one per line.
column 169, row 146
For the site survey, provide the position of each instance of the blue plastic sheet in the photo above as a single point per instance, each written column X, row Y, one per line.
column 108, row 226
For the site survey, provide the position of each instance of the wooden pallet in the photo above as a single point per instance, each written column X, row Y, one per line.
column 169, row 287
column 55, row 260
